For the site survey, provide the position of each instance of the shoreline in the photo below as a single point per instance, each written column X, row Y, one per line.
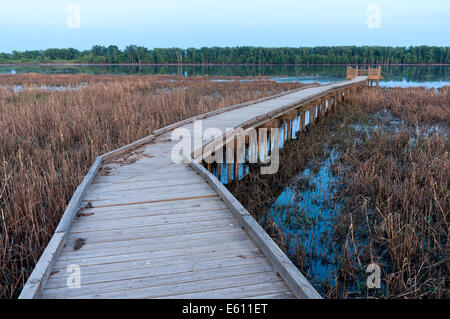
column 205, row 64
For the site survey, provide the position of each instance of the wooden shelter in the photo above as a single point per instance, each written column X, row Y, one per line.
column 373, row 74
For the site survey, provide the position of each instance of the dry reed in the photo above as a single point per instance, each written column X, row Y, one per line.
column 393, row 177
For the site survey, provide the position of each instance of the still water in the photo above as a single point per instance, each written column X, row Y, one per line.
column 403, row 76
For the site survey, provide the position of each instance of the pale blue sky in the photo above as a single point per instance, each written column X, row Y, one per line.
column 194, row 23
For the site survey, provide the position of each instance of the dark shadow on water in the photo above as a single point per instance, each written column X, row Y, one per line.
column 402, row 76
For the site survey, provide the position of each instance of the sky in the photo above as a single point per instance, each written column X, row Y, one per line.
column 28, row 25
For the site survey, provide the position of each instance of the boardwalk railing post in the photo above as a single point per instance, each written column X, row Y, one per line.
column 229, row 149
column 219, row 161
column 302, row 121
column 311, row 118
column 319, row 109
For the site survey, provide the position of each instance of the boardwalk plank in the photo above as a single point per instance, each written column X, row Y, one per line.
column 273, row 290
column 149, row 253
column 125, row 213
column 160, row 206
column 193, row 227
column 168, row 263
column 143, row 244
column 118, row 286
column 190, row 287
column 93, row 226
column 149, row 270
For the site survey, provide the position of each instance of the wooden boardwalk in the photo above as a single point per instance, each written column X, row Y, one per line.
column 150, row 228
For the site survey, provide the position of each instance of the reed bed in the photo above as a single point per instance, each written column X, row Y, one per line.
column 391, row 201
column 41, row 79
column 49, row 140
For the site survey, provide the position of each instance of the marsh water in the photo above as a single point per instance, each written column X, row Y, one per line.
column 404, row 76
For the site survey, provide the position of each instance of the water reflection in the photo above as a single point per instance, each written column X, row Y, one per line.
column 429, row 76
column 305, row 211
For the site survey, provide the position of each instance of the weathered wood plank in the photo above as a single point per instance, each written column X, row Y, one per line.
column 149, row 193
column 202, row 202
column 150, row 253
column 164, row 230
column 98, row 215
column 135, row 272
column 112, row 181
column 160, row 280
column 142, row 185
column 279, row 295
column 190, row 287
column 148, row 239
column 119, row 203
column 87, row 225
column 176, row 262
column 142, row 244
column 275, row 288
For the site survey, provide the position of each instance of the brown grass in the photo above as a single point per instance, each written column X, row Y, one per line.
column 399, row 182
column 48, row 141
column 40, row 79
column 417, row 106
column 393, row 187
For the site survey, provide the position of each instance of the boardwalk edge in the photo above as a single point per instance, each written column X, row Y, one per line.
column 295, row 280
column 41, row 271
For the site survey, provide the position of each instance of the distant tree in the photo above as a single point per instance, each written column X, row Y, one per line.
column 234, row 55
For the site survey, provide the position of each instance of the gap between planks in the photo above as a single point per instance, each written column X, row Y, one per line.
column 188, row 286
column 155, row 255
column 156, row 201
column 141, row 245
column 150, row 271
column 181, row 264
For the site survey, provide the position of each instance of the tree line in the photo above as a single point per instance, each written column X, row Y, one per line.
column 237, row 55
